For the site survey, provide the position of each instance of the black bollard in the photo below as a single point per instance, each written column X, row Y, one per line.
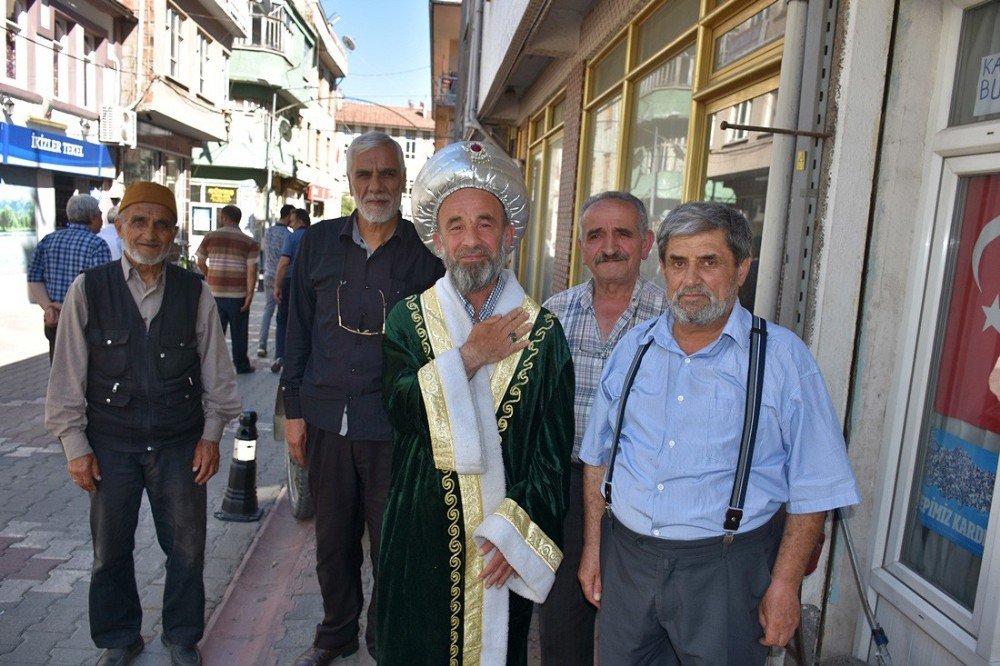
column 240, row 501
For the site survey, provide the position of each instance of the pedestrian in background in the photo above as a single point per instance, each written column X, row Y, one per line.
column 228, row 259
column 283, row 275
column 140, row 391
column 61, row 256
column 274, row 242
column 614, row 240
column 109, row 233
column 348, row 274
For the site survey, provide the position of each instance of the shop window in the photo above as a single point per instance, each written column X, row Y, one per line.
column 665, row 25
column 736, row 172
column 657, row 142
column 765, row 27
column 602, row 138
column 608, row 71
column 977, row 73
column 959, row 440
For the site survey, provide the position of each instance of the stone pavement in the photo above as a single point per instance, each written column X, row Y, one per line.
column 45, row 549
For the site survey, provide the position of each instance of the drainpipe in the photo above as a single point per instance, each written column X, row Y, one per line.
column 140, row 56
column 469, row 121
column 779, row 181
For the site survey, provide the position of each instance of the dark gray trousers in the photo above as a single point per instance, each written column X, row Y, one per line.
column 178, row 506
column 566, row 619
column 667, row 602
column 349, row 482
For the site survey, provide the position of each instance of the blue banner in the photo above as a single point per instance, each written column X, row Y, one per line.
column 24, row 146
column 958, row 489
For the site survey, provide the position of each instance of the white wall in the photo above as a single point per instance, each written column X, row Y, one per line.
column 500, row 21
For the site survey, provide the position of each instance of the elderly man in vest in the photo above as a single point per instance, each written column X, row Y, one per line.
column 140, row 392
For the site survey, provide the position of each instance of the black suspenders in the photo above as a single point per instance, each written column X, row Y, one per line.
column 751, row 417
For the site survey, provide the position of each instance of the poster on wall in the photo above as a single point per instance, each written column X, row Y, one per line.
column 17, row 209
column 958, row 489
column 201, row 219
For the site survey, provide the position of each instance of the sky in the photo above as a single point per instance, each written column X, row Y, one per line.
column 391, row 62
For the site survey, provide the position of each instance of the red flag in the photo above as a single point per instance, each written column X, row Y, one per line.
column 972, row 333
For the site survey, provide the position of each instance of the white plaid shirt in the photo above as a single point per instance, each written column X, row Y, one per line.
column 575, row 310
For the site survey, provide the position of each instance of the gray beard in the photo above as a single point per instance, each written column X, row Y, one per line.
column 470, row 279
column 136, row 257
column 376, row 215
column 711, row 313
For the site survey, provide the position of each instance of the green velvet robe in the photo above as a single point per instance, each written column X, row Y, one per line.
column 432, row 608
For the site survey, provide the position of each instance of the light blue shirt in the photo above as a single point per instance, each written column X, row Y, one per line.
column 683, row 422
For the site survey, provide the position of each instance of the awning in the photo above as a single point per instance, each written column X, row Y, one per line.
column 23, row 146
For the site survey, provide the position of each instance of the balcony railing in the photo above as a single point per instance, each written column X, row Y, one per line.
column 269, row 32
column 446, row 88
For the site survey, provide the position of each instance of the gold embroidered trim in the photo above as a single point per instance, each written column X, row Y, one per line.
column 472, row 506
column 438, row 419
column 531, row 533
column 506, row 410
column 454, row 561
column 472, row 517
column 504, row 370
column 418, row 323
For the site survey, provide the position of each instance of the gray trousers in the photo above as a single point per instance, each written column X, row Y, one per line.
column 668, row 602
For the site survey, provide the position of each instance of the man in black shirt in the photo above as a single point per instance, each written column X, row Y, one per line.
column 348, row 274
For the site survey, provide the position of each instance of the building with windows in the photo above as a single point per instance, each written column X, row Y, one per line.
column 445, row 21
column 410, row 126
column 283, row 78
column 63, row 62
column 876, row 224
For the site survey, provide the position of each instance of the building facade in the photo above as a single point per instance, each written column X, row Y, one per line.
column 283, row 78
column 874, row 221
column 410, row 126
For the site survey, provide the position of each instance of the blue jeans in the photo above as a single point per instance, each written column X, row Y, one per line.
column 269, row 307
column 178, row 506
column 229, row 314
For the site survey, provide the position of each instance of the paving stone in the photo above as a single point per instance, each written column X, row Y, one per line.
column 61, row 581
column 35, row 648
column 38, row 568
column 14, row 590
column 60, row 655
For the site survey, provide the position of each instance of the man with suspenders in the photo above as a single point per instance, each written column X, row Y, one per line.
column 707, row 423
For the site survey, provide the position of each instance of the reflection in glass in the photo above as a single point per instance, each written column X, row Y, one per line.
column 526, row 264
column 737, row 169
column 608, row 71
column 761, row 29
column 973, row 101
column 602, row 137
column 547, row 233
column 959, row 441
column 665, row 25
column 657, row 146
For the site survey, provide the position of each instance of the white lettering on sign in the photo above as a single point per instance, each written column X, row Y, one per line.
column 49, row 145
column 988, row 87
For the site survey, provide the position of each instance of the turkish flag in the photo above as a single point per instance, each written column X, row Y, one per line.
column 972, row 332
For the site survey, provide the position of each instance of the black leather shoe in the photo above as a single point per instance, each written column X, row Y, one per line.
column 315, row 656
column 182, row 655
column 121, row 656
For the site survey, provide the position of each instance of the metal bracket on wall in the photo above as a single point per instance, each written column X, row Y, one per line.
column 774, row 130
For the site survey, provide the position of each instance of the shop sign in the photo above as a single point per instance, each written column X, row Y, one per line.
column 220, row 195
column 988, row 88
column 958, row 489
column 24, row 146
column 317, row 193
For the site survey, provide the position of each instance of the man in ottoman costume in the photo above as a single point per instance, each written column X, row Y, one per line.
column 478, row 383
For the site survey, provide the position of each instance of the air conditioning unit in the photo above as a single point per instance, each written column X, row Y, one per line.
column 118, row 126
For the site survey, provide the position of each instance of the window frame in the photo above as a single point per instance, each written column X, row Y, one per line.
column 953, row 153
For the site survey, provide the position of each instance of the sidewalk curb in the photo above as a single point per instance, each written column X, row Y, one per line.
column 221, row 606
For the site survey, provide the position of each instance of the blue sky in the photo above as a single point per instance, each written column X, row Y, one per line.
column 391, row 62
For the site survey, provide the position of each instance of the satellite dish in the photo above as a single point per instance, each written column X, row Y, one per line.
column 348, row 42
